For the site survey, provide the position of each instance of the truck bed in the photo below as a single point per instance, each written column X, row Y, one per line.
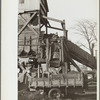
column 71, row 79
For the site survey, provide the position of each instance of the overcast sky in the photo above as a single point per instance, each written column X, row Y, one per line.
column 71, row 11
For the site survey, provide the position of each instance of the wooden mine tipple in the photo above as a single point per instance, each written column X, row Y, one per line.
column 45, row 58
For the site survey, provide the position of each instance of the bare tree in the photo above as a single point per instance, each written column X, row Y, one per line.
column 87, row 29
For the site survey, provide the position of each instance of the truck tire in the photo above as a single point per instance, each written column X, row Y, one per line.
column 54, row 93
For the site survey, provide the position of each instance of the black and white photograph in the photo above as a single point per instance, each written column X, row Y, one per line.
column 56, row 50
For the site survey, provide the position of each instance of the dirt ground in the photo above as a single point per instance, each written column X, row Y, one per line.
column 27, row 95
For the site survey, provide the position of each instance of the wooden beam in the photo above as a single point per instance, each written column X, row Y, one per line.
column 44, row 21
column 53, row 19
column 25, row 71
column 66, row 67
column 38, row 71
column 42, row 1
column 47, row 53
column 41, row 26
column 28, row 39
column 72, row 61
column 62, row 51
column 31, row 28
column 67, row 53
column 46, row 29
column 32, row 45
column 28, row 12
column 24, row 43
column 43, row 7
column 42, row 12
column 64, row 28
column 55, row 28
column 26, row 23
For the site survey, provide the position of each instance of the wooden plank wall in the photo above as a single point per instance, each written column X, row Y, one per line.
column 33, row 5
column 28, row 5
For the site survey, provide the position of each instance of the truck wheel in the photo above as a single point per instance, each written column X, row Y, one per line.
column 54, row 93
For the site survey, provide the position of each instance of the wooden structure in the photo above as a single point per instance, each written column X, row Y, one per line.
column 33, row 5
column 57, row 53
